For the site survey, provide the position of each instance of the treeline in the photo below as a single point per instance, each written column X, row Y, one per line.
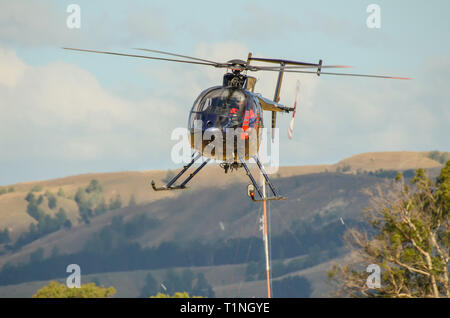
column 5, row 236
column 46, row 224
column 380, row 173
column 256, row 270
column 292, row 287
column 438, row 156
column 312, row 241
column 114, row 249
column 91, row 203
column 7, row 190
column 186, row 281
column 391, row 174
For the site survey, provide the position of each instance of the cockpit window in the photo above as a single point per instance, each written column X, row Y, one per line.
column 221, row 101
column 225, row 107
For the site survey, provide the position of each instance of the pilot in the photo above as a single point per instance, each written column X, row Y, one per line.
column 236, row 109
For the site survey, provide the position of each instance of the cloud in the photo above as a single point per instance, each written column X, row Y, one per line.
column 12, row 68
column 58, row 113
column 352, row 115
column 144, row 22
column 29, row 22
column 56, row 119
column 257, row 22
column 40, row 23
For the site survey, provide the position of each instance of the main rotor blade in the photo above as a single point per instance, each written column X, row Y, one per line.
column 277, row 68
column 179, row 55
column 344, row 74
column 287, row 62
column 142, row 56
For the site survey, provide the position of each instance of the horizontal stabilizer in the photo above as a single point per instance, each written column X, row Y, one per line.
column 267, row 104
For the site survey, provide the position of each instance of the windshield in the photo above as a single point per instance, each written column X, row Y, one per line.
column 224, row 107
column 221, row 101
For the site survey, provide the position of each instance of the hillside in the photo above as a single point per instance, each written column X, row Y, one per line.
column 213, row 211
column 13, row 206
column 400, row 160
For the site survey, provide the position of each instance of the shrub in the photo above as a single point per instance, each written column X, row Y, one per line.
column 58, row 290
column 94, row 186
column 37, row 188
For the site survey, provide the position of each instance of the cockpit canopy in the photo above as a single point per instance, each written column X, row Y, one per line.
column 219, row 101
column 222, row 107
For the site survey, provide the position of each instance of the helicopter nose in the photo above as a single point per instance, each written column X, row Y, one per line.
column 213, row 130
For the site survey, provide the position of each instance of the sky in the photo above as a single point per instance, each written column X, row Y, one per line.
column 64, row 113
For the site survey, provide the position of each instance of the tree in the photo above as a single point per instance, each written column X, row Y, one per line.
column 61, row 193
column 37, row 256
column 188, row 282
column 116, row 203
column 52, row 202
column 410, row 242
column 58, row 290
column 101, row 207
column 34, row 211
column 61, row 217
column 37, row 188
column 292, row 287
column 30, row 197
column 80, row 197
column 83, row 206
column 438, row 156
column 40, row 199
column 175, row 295
column 202, row 287
column 4, row 236
column 94, row 186
column 68, row 224
column 150, row 287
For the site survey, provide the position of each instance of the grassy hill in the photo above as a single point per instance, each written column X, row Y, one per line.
column 215, row 209
column 399, row 160
column 13, row 205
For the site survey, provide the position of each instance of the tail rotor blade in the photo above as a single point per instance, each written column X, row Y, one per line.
column 291, row 125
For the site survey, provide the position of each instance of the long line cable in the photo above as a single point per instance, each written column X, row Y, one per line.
column 266, row 243
column 270, row 243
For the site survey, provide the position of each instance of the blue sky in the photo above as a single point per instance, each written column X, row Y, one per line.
column 65, row 113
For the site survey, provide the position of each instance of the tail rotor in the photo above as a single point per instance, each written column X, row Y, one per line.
column 291, row 125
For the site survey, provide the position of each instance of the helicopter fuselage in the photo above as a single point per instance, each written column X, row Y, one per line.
column 225, row 122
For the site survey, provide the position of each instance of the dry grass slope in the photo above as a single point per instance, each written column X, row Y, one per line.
column 340, row 197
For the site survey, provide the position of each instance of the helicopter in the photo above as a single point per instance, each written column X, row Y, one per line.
column 231, row 114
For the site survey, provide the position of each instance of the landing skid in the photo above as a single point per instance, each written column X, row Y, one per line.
column 251, row 189
column 182, row 186
column 254, row 186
